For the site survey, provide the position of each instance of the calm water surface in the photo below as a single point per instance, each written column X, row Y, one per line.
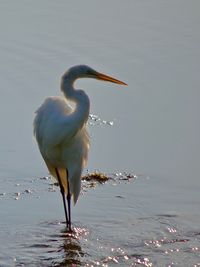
column 150, row 130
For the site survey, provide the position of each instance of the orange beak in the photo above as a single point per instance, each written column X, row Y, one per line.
column 107, row 78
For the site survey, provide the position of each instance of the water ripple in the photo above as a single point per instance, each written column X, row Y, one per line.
column 106, row 241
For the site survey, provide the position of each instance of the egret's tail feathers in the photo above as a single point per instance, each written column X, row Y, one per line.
column 76, row 190
column 74, row 186
column 62, row 174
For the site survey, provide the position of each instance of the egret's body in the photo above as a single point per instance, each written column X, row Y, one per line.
column 59, row 145
column 61, row 133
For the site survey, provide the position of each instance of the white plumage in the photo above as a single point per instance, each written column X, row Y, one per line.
column 57, row 148
column 61, row 133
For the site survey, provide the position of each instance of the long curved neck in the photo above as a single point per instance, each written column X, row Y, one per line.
column 81, row 112
column 67, row 87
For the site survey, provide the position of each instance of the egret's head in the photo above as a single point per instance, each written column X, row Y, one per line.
column 84, row 71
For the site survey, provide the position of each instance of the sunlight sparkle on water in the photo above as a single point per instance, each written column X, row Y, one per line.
column 171, row 230
column 96, row 120
column 145, row 262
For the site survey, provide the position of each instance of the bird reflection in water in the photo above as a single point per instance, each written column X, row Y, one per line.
column 71, row 248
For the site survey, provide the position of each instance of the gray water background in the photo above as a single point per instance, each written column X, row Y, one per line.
column 152, row 220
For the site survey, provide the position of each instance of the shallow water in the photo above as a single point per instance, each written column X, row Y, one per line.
column 149, row 129
column 126, row 231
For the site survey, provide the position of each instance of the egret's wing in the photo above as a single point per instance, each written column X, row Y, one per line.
column 49, row 119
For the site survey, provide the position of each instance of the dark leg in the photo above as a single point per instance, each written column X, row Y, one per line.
column 69, row 201
column 62, row 191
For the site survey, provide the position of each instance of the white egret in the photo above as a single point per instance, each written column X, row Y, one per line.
column 62, row 135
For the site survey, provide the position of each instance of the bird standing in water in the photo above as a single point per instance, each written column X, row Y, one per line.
column 62, row 136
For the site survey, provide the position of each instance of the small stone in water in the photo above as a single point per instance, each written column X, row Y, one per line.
column 27, row 191
column 44, row 178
